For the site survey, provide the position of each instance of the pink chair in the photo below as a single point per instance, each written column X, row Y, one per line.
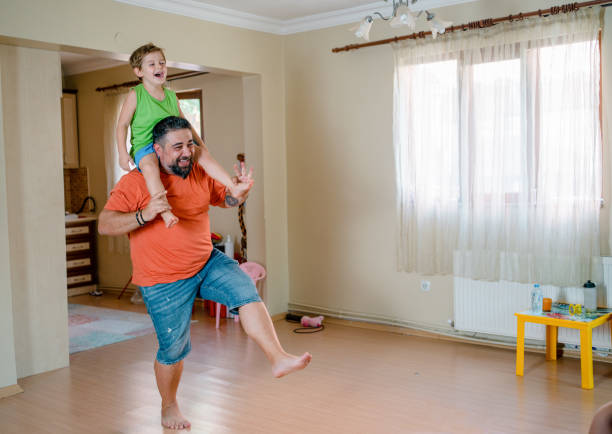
column 256, row 272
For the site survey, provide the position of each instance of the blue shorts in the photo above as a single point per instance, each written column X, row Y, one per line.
column 146, row 150
column 170, row 304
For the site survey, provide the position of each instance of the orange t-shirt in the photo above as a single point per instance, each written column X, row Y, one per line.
column 159, row 254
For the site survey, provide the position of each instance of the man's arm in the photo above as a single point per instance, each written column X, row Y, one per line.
column 118, row 223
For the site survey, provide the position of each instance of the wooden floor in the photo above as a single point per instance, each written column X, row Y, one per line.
column 360, row 381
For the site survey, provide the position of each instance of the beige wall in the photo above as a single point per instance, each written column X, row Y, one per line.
column 114, row 27
column 224, row 126
column 341, row 184
column 31, row 91
column 8, row 370
column 222, row 99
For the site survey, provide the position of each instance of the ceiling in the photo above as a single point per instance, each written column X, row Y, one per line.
column 281, row 17
column 73, row 63
column 285, row 9
column 273, row 16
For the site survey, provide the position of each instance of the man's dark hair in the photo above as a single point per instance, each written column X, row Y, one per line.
column 163, row 127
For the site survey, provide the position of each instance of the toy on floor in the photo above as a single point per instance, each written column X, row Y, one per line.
column 307, row 321
column 309, row 324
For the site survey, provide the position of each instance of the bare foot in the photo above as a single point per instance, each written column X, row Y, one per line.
column 290, row 364
column 169, row 219
column 172, row 418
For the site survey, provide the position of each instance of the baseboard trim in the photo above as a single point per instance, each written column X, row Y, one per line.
column 7, row 391
column 372, row 322
column 278, row 316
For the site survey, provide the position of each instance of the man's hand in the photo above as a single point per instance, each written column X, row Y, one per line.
column 156, row 205
column 243, row 182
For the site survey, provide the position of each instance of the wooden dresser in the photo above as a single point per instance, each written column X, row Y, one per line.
column 81, row 263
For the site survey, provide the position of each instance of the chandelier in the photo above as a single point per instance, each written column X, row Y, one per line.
column 402, row 16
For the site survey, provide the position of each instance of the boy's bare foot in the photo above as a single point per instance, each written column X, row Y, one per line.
column 169, row 219
column 291, row 364
column 172, row 418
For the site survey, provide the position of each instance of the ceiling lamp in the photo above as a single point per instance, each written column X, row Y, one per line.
column 401, row 16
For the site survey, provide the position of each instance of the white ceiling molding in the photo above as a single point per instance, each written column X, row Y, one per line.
column 231, row 17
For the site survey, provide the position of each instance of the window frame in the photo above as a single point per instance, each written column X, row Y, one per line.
column 194, row 94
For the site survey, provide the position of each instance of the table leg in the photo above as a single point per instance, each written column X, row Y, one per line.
column 551, row 342
column 520, row 346
column 586, row 357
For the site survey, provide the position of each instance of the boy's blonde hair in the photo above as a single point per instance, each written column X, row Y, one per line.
column 140, row 52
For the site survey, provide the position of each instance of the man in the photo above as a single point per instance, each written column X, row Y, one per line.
column 171, row 266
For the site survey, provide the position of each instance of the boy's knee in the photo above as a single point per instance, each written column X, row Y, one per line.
column 149, row 163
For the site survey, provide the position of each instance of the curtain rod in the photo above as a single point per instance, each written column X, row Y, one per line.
column 177, row 76
column 481, row 24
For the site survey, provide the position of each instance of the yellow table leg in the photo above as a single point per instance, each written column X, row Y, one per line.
column 586, row 357
column 551, row 342
column 520, row 346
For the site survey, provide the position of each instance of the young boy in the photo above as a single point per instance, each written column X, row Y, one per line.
column 147, row 104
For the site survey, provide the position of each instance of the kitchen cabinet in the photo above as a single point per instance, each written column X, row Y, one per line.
column 81, row 264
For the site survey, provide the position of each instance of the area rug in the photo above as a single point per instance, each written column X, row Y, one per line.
column 91, row 327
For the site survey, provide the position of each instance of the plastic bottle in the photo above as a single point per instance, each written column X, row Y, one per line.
column 536, row 299
column 229, row 246
column 590, row 297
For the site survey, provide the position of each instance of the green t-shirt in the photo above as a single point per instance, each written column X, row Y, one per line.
column 149, row 111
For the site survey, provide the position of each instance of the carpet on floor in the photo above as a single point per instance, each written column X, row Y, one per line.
column 91, row 327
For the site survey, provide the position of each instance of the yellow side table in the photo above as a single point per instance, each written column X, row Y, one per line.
column 552, row 323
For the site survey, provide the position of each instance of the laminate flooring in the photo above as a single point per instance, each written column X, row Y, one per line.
column 359, row 381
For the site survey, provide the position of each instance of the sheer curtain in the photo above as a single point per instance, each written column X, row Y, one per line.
column 113, row 100
column 498, row 151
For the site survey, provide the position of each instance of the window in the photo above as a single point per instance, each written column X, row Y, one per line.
column 512, row 127
column 498, row 152
column 191, row 106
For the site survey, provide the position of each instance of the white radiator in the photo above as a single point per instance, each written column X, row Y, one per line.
column 489, row 307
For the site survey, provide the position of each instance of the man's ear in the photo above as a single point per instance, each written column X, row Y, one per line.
column 158, row 149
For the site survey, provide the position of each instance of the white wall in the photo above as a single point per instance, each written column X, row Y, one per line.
column 341, row 181
column 31, row 92
column 8, row 370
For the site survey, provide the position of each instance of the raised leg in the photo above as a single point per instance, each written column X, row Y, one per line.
column 258, row 325
column 551, row 342
column 586, row 357
column 520, row 346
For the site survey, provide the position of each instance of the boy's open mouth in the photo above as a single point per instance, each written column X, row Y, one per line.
column 159, row 74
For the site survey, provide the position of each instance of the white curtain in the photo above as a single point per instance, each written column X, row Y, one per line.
column 498, row 151
column 113, row 100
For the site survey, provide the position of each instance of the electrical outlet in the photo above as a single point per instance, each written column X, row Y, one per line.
column 425, row 285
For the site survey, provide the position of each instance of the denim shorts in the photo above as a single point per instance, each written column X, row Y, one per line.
column 145, row 150
column 170, row 304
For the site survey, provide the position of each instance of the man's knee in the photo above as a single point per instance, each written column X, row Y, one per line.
column 175, row 352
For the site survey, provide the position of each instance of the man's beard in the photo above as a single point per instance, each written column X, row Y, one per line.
column 183, row 172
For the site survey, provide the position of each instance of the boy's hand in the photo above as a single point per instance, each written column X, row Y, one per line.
column 156, row 205
column 124, row 162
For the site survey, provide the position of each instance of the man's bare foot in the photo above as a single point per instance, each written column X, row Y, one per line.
column 290, row 364
column 172, row 418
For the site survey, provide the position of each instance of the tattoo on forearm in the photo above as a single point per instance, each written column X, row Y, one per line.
column 231, row 200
